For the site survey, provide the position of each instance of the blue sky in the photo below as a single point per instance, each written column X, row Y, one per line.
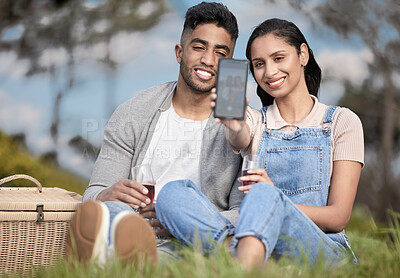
column 145, row 59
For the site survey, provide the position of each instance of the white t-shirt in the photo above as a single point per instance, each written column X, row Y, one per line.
column 174, row 150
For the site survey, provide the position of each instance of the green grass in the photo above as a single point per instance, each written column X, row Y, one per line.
column 377, row 245
column 378, row 249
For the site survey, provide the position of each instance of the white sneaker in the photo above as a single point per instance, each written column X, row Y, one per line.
column 88, row 234
column 132, row 238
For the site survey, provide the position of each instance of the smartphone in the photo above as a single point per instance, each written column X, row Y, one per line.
column 231, row 89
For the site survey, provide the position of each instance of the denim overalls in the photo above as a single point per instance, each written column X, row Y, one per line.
column 299, row 164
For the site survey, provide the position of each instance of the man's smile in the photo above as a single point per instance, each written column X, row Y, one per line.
column 204, row 74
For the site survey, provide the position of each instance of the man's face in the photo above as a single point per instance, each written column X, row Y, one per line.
column 199, row 54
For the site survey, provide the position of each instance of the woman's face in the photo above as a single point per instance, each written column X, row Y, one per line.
column 278, row 68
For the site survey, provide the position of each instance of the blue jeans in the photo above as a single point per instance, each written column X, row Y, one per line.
column 165, row 248
column 283, row 229
column 199, row 221
column 299, row 164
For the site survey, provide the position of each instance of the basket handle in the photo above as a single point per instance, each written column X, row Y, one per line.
column 22, row 176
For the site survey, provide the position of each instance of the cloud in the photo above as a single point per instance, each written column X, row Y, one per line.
column 39, row 141
column 53, row 57
column 16, row 116
column 46, row 20
column 69, row 159
column 351, row 65
column 331, row 92
column 161, row 39
column 253, row 12
column 124, row 46
column 396, row 79
column 155, row 53
column 92, row 52
column 12, row 66
column 101, row 26
column 146, row 9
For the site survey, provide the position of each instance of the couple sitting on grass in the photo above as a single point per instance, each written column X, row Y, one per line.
column 299, row 202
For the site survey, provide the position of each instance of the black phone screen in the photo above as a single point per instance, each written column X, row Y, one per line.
column 231, row 89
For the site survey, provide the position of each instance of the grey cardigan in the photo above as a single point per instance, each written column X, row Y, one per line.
column 128, row 135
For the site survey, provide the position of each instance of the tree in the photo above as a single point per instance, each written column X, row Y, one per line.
column 51, row 30
column 377, row 23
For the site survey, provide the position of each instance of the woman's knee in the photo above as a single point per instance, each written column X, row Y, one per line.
column 263, row 189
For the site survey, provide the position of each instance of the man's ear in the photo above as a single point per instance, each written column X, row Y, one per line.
column 304, row 55
column 178, row 52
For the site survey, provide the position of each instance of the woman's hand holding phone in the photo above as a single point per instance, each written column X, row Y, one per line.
column 237, row 132
column 234, row 125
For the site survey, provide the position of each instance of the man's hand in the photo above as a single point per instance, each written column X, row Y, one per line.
column 149, row 212
column 127, row 191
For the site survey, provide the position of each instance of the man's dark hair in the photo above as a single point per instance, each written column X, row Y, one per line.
column 210, row 12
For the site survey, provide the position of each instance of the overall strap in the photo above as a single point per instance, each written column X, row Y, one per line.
column 264, row 114
column 329, row 115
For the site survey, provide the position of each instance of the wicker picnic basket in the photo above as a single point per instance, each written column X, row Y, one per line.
column 34, row 224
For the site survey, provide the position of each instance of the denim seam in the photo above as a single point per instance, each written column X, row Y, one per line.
column 256, row 233
column 318, row 230
column 294, row 148
column 224, row 233
column 301, row 190
column 227, row 228
column 283, row 136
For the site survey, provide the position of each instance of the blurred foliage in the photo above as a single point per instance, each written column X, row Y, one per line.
column 377, row 100
column 84, row 147
column 64, row 25
column 362, row 221
column 15, row 159
column 68, row 23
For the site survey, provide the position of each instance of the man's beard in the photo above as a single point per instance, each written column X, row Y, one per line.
column 188, row 78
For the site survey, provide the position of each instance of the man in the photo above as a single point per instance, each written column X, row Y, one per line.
column 171, row 128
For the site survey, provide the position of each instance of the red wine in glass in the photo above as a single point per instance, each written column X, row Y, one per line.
column 251, row 161
column 244, row 173
column 142, row 174
column 150, row 187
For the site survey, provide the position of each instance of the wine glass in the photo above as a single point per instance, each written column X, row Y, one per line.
column 251, row 161
column 142, row 174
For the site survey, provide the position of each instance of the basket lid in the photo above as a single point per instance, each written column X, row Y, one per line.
column 27, row 198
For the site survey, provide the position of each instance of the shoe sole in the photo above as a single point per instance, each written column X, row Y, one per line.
column 133, row 239
column 89, row 229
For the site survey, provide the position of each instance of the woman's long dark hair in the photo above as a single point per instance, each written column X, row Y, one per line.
column 289, row 32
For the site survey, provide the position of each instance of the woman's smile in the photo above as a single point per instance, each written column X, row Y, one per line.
column 275, row 83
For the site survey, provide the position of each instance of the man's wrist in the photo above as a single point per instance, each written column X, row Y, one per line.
column 100, row 195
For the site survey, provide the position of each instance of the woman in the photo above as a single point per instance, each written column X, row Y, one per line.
column 303, row 199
